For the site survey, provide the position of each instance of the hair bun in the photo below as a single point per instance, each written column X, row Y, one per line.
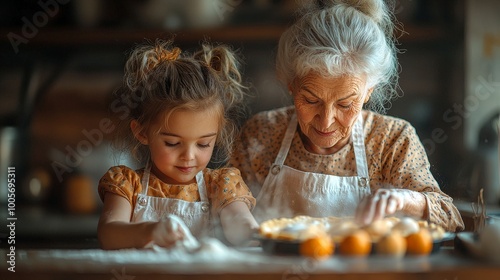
column 378, row 10
column 167, row 55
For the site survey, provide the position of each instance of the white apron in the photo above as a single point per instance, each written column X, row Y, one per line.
column 196, row 215
column 288, row 192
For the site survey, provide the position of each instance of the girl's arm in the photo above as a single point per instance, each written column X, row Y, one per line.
column 238, row 222
column 115, row 231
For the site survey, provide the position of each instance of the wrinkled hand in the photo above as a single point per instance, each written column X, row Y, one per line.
column 169, row 231
column 385, row 202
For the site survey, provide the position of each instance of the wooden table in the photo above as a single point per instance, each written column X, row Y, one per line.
column 254, row 264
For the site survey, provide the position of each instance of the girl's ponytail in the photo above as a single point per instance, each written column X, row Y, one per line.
column 225, row 63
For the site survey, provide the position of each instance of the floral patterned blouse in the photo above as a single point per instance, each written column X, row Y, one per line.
column 396, row 158
column 224, row 186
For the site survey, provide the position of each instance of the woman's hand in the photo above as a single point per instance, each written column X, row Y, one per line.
column 385, row 202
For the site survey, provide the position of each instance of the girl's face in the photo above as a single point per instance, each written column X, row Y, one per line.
column 183, row 146
column 327, row 109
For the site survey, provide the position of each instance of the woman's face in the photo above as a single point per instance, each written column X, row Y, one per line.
column 327, row 108
column 183, row 146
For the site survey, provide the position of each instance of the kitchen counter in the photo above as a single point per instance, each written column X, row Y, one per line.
column 468, row 215
column 465, row 207
column 247, row 263
column 80, row 259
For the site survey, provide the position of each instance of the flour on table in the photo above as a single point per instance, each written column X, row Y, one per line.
column 189, row 250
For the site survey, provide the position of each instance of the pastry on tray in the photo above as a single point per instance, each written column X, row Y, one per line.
column 300, row 228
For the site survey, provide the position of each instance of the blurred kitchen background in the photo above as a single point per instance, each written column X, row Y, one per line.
column 61, row 61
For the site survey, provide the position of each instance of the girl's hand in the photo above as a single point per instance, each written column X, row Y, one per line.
column 115, row 231
column 385, row 202
column 168, row 231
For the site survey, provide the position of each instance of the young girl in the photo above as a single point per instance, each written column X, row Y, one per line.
column 178, row 108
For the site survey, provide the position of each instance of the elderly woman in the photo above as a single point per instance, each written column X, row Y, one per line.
column 326, row 155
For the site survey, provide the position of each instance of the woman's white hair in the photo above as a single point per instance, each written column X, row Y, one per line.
column 349, row 37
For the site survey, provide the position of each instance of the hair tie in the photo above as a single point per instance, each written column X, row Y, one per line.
column 165, row 55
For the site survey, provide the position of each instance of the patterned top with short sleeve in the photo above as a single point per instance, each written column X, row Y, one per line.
column 224, row 186
column 396, row 158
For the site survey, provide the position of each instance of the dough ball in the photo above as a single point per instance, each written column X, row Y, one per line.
column 406, row 226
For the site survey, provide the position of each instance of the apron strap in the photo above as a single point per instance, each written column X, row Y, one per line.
column 145, row 179
column 287, row 141
column 202, row 189
column 358, row 140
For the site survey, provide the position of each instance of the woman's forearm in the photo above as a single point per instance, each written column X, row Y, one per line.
column 415, row 204
column 443, row 212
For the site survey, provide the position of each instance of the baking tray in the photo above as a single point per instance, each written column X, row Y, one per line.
column 292, row 247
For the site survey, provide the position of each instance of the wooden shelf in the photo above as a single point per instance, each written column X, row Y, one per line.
column 101, row 37
column 73, row 37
